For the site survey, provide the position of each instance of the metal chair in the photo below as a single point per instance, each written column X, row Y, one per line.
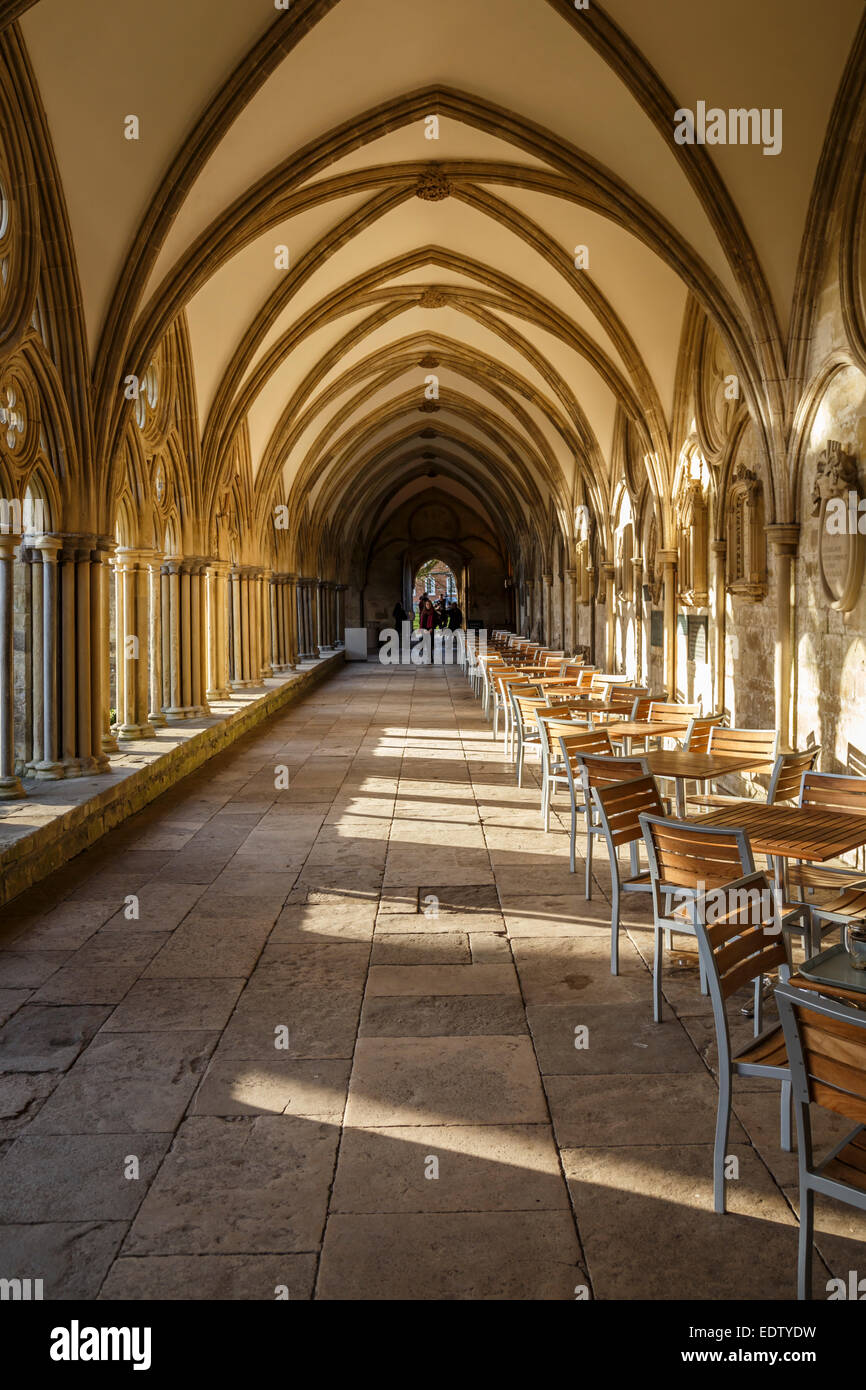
column 741, row 943
column 750, row 742
column 826, row 1045
column 598, row 770
column 552, row 720
column 572, row 746
column 620, row 808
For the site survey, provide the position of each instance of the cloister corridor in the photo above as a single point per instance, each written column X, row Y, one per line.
column 563, row 1172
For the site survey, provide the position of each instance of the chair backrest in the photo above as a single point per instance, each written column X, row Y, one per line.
column 624, row 696
column 641, row 707
column 787, row 778
column 698, row 740
column 526, row 705
column 573, row 745
column 834, row 792
column 750, row 742
column 665, row 712
column 693, row 856
column 826, row 1044
column 601, row 771
column 739, row 934
column 622, row 807
column 585, row 678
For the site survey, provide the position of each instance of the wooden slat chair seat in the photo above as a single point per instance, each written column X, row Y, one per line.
column 553, row 721
column 573, row 744
column 751, row 742
column 826, row 1042
column 831, row 792
column 615, row 807
column 738, row 943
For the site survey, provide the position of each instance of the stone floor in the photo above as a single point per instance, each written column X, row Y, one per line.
column 319, row 1041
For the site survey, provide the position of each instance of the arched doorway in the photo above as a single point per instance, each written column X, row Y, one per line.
column 436, row 580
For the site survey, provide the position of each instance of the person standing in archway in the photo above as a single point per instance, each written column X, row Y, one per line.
column 455, row 617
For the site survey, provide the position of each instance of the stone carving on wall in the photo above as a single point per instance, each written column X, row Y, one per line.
column 429, row 407
column 841, row 547
column 433, row 299
column 746, row 559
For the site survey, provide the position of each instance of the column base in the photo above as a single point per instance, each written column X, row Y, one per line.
column 218, row 694
column 129, row 732
column 103, row 764
column 176, row 714
column 109, row 743
column 48, row 772
column 267, row 671
column 200, row 712
column 11, row 789
column 241, row 685
column 156, row 718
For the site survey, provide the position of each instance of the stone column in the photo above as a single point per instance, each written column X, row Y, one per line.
column 99, row 637
column 274, row 590
column 291, row 615
column 669, row 560
column 609, row 571
column 217, row 634
column 165, row 608
column 158, row 618
column 784, row 540
column 136, row 628
column 175, row 709
column 547, row 609
column 718, row 550
column 266, row 623
column 300, row 592
column 36, row 731
column 637, row 603
column 186, row 638
column 237, row 681
column 195, row 645
column 11, row 788
column 341, row 615
column 49, row 768
column 68, row 710
column 82, row 653
column 107, row 548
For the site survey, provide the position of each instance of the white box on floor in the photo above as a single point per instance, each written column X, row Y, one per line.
column 356, row 644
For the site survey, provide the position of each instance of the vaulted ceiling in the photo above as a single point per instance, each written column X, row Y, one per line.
column 408, row 256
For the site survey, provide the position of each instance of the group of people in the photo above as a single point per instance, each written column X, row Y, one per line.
column 441, row 614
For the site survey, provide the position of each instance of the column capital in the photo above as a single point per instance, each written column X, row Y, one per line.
column 8, row 544
column 668, row 557
column 548, row 578
column 784, row 536
column 718, row 546
column 128, row 557
column 220, row 567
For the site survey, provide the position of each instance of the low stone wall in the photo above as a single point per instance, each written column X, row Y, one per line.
column 40, row 850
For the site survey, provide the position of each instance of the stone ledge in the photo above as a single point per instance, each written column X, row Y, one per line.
column 43, row 832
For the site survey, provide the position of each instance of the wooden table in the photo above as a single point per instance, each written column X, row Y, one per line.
column 682, row 766
column 627, row 729
column 847, row 996
column 792, row 832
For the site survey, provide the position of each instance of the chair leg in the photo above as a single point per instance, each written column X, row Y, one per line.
column 785, row 1140
column 804, row 1253
column 720, row 1148
column 545, row 792
column 614, row 919
column 573, row 837
column 519, row 758
column 496, row 720
column 759, row 1005
column 657, row 977
column 587, row 887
